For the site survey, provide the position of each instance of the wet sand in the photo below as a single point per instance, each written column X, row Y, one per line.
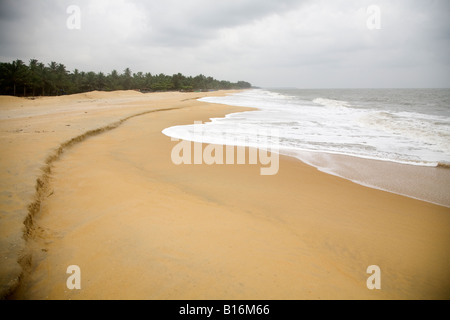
column 431, row 184
column 140, row 227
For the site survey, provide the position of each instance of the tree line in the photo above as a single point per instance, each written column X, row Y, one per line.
column 38, row 79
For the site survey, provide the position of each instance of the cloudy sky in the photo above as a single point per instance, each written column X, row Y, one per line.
column 270, row 43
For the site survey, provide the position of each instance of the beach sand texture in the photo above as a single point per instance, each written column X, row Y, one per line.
column 140, row 227
column 32, row 130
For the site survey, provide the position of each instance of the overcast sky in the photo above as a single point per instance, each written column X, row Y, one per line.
column 270, row 43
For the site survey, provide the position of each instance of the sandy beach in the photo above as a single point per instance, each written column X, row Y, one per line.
column 140, row 227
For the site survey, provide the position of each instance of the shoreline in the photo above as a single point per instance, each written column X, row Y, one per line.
column 421, row 182
column 153, row 234
column 384, row 175
column 396, row 177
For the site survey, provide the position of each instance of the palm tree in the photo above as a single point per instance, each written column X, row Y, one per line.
column 35, row 75
column 148, row 80
column 90, row 81
column 61, row 78
column 54, row 79
column 100, row 82
column 75, row 80
column 16, row 74
column 127, row 79
column 199, row 82
column 52, row 74
column 43, row 72
column 114, row 80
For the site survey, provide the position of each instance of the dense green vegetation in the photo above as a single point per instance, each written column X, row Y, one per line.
column 38, row 79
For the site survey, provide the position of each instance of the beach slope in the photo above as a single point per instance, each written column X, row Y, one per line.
column 140, row 227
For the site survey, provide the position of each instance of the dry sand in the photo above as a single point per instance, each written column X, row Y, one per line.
column 30, row 130
column 140, row 227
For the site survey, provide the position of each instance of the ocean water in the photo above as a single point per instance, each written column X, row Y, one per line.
column 402, row 126
column 410, row 126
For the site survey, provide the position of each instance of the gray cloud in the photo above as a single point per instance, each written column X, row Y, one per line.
column 321, row 43
column 188, row 23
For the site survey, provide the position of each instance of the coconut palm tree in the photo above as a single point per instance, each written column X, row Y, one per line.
column 15, row 73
